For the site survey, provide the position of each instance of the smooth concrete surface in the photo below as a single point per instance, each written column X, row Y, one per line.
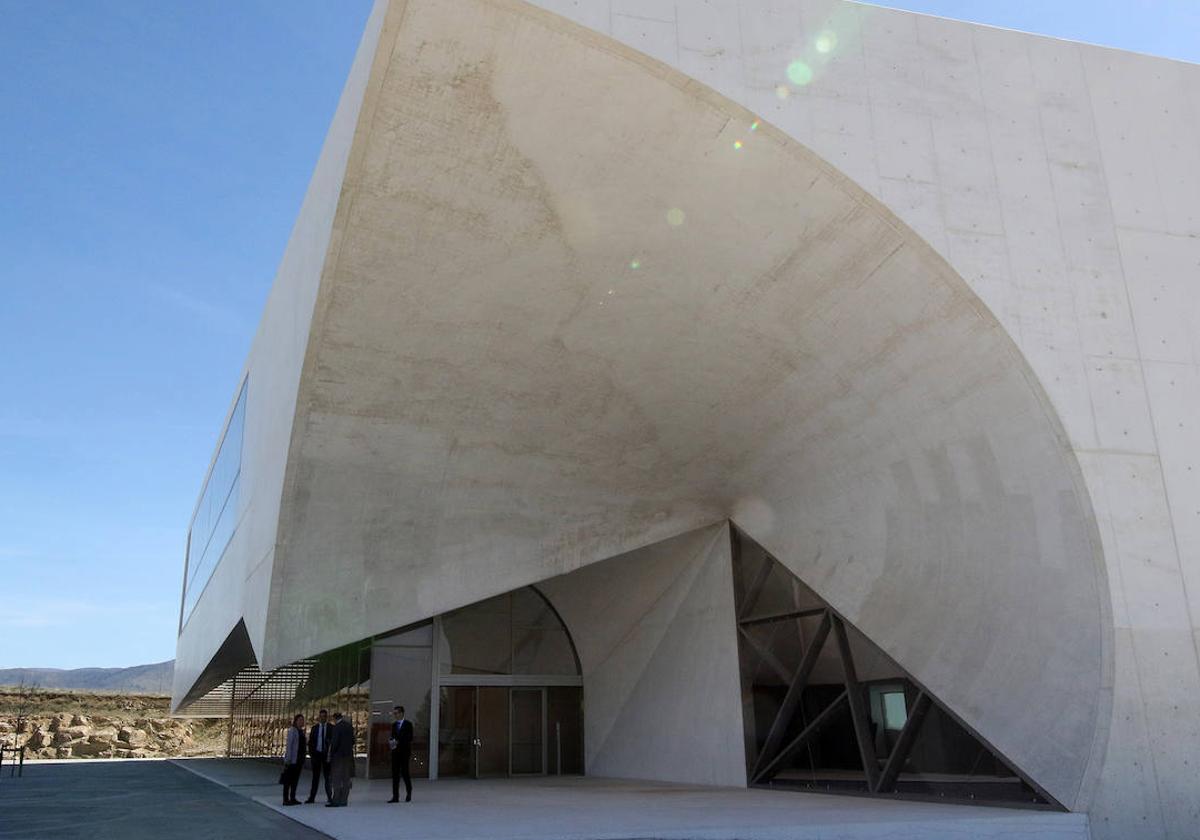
column 660, row 665
column 576, row 808
column 131, row 800
column 494, row 394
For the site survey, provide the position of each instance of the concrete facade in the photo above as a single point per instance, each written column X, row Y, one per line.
column 243, row 578
column 1061, row 180
column 921, row 317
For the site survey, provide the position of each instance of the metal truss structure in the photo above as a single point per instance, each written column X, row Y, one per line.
column 800, row 663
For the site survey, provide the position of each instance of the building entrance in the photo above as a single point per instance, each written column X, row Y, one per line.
column 497, row 684
column 491, row 731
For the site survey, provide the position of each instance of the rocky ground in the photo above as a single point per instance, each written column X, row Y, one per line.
column 72, row 724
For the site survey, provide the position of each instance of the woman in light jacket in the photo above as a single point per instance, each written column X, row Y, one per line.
column 293, row 760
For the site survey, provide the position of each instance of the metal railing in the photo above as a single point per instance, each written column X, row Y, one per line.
column 16, row 763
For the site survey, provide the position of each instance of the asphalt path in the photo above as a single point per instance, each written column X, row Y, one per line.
column 132, row 800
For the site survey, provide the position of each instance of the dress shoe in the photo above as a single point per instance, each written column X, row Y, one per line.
column 408, row 798
column 309, row 801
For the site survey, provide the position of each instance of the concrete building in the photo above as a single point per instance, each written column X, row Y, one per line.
column 794, row 393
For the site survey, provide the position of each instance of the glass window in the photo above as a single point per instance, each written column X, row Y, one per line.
column 401, row 667
column 540, row 642
column 895, row 710
column 478, row 639
column 817, row 721
column 515, row 633
column 215, row 518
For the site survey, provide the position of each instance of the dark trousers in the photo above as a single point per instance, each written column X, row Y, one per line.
column 291, row 776
column 400, row 762
column 320, row 766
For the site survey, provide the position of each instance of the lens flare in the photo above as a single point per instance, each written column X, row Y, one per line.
column 635, row 264
column 826, row 42
column 799, row 73
column 754, row 126
column 737, row 144
column 675, row 217
column 782, row 92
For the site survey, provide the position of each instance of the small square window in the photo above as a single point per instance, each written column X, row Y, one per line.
column 895, row 710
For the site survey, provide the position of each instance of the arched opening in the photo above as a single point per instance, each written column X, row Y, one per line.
column 500, row 691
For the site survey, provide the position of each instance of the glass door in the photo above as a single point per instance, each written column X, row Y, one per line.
column 456, row 753
column 527, row 754
column 495, row 731
column 491, row 732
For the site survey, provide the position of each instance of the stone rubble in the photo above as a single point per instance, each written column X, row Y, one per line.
column 102, row 736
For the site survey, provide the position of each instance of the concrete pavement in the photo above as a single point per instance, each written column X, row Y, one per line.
column 578, row 808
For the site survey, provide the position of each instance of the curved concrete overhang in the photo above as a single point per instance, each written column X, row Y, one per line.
column 576, row 303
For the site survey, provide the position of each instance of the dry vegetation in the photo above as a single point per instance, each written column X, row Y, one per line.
column 56, row 723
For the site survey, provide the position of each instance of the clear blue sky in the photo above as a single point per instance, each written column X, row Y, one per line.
column 153, row 156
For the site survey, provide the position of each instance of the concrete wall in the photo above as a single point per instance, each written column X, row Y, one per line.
column 522, row 362
column 240, row 584
column 574, row 313
column 1063, row 182
column 654, row 630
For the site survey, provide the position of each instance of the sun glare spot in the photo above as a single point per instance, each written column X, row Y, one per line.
column 826, row 42
column 799, row 73
column 675, row 217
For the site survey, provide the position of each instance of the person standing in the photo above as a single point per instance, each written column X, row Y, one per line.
column 401, row 744
column 293, row 760
column 341, row 760
column 318, row 750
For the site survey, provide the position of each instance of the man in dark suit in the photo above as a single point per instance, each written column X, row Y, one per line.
column 318, row 749
column 401, row 744
column 341, row 760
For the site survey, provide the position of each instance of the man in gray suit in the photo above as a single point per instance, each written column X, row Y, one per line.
column 341, row 760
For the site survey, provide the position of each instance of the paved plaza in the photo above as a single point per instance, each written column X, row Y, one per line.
column 579, row 808
column 233, row 799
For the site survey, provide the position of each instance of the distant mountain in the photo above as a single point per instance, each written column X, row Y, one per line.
column 140, row 679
